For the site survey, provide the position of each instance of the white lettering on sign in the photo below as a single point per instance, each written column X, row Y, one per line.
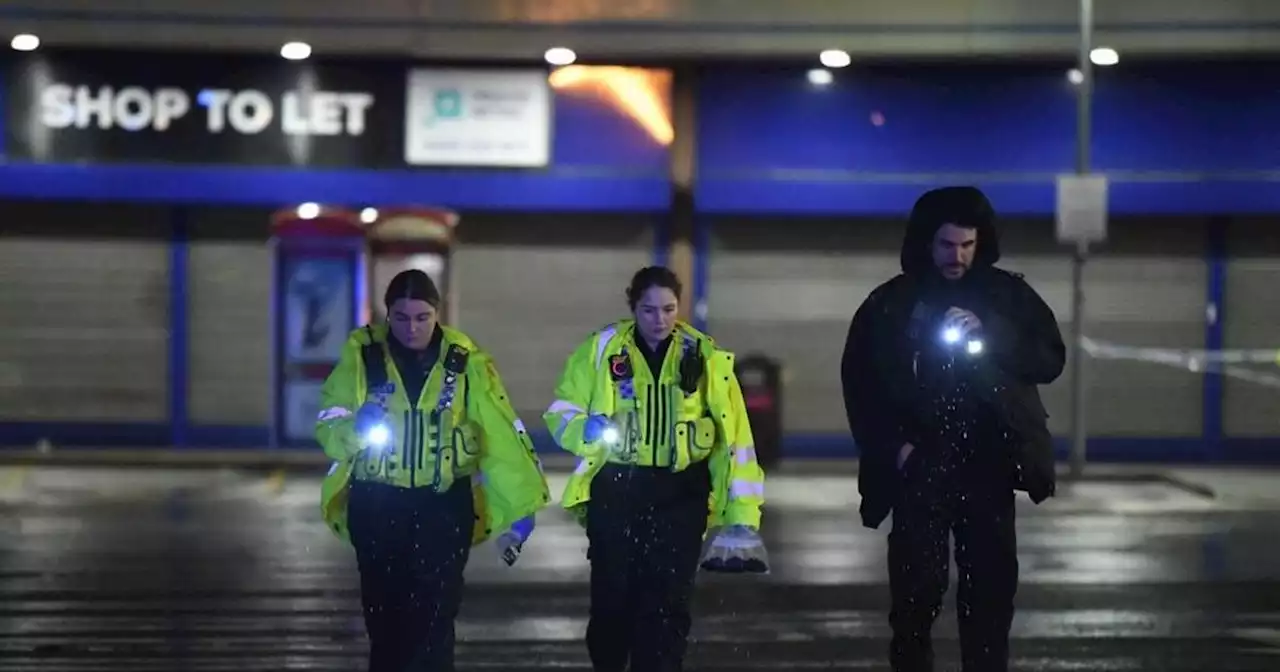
column 132, row 108
column 248, row 111
column 324, row 113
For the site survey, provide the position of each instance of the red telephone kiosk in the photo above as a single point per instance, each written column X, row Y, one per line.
column 318, row 296
column 411, row 238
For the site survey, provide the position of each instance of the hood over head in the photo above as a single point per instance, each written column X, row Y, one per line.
column 963, row 206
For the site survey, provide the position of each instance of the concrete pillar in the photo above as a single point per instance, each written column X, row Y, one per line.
column 683, row 169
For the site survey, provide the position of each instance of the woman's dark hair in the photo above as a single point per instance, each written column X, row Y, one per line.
column 412, row 284
column 649, row 277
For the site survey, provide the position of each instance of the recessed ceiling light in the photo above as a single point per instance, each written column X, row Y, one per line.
column 560, row 56
column 835, row 58
column 25, row 42
column 296, row 51
column 1104, row 56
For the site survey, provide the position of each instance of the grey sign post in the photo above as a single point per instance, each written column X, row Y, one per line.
column 1081, row 219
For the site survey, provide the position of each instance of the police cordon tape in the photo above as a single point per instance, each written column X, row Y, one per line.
column 1232, row 363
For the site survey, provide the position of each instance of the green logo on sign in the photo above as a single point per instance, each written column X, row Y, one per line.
column 447, row 105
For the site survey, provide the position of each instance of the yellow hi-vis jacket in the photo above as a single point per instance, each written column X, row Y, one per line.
column 659, row 424
column 462, row 425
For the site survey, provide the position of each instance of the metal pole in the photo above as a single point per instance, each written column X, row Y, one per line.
column 1084, row 127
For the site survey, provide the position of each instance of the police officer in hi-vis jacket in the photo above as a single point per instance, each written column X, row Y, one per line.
column 653, row 411
column 430, row 459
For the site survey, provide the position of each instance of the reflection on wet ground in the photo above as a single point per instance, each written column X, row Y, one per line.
column 219, row 570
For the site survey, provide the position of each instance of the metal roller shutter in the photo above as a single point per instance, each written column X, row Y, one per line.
column 787, row 289
column 229, row 285
column 1145, row 287
column 1250, row 322
column 84, row 303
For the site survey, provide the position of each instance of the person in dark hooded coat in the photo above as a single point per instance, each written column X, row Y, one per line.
column 940, row 374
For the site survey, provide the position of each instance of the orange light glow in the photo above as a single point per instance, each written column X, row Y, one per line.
column 640, row 93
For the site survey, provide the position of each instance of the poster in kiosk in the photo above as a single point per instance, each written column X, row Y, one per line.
column 411, row 238
column 317, row 298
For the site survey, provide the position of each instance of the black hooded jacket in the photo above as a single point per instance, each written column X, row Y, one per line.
column 887, row 399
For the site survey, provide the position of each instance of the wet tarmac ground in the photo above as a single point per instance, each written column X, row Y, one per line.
column 205, row 570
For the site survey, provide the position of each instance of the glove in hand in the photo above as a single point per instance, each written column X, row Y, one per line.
column 368, row 415
column 594, row 428
column 511, row 542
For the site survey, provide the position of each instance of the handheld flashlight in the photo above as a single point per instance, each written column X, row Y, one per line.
column 378, row 436
column 610, row 435
column 951, row 336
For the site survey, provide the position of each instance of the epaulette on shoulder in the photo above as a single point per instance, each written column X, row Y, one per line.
column 687, row 329
column 365, row 335
column 604, row 334
column 460, row 338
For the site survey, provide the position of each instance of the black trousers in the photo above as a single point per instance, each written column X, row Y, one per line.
column 412, row 546
column 977, row 506
column 645, row 528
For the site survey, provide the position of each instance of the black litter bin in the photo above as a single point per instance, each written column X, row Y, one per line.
column 761, row 381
